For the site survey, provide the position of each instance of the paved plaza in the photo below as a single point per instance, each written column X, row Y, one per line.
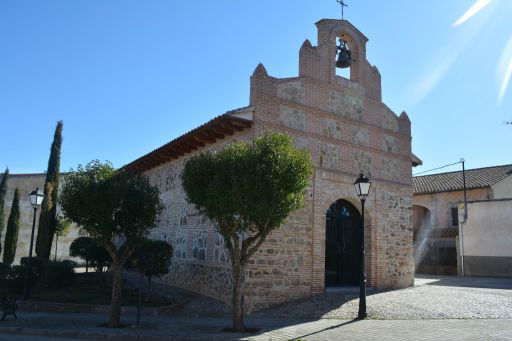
column 432, row 297
column 437, row 308
column 155, row 328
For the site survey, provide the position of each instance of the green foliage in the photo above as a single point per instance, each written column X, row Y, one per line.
column 109, row 204
column 80, row 247
column 60, row 274
column 89, row 250
column 13, row 279
column 36, row 264
column 248, row 187
column 152, row 258
column 63, row 226
column 48, row 216
column 247, row 190
column 4, row 269
column 13, row 226
column 99, row 258
column 61, row 230
column 3, row 190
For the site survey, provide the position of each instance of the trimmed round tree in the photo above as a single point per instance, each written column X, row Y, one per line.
column 89, row 250
column 115, row 208
column 247, row 190
column 80, row 248
column 61, row 230
column 13, row 227
column 152, row 258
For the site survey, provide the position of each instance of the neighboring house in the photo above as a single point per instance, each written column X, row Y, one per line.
column 436, row 216
column 26, row 183
column 348, row 130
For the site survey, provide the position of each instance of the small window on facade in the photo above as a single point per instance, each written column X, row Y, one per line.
column 455, row 216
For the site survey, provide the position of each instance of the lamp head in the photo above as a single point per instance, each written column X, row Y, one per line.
column 362, row 186
column 36, row 197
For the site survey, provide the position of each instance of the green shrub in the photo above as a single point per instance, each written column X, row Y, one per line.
column 35, row 263
column 89, row 250
column 4, row 272
column 4, row 268
column 60, row 274
column 151, row 258
column 13, row 279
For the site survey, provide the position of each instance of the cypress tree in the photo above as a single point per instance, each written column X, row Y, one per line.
column 13, row 226
column 3, row 189
column 48, row 216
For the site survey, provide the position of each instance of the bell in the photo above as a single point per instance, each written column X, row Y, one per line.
column 344, row 56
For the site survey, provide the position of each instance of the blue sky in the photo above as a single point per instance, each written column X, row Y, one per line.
column 128, row 76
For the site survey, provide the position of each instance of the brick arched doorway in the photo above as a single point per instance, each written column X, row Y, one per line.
column 342, row 244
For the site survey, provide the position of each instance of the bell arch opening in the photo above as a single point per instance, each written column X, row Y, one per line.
column 342, row 244
column 344, row 58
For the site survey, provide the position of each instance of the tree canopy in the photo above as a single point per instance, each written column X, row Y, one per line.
column 249, row 187
column 110, row 204
column 152, row 258
column 247, row 190
column 93, row 253
column 115, row 208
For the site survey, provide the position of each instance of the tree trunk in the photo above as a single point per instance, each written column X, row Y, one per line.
column 148, row 289
column 56, row 243
column 117, row 296
column 86, row 266
column 238, row 309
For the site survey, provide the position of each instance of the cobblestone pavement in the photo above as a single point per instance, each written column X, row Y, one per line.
column 437, row 308
column 159, row 328
column 433, row 297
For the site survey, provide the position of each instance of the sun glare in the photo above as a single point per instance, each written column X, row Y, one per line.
column 472, row 11
column 505, row 68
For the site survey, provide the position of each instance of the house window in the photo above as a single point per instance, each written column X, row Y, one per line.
column 455, row 216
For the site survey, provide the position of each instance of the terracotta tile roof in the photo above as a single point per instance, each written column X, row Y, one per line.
column 215, row 129
column 452, row 181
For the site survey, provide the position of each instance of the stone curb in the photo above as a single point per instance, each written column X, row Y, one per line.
column 52, row 307
column 107, row 336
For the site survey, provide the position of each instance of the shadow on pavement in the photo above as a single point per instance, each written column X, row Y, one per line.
column 325, row 329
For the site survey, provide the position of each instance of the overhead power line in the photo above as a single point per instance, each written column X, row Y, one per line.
column 433, row 169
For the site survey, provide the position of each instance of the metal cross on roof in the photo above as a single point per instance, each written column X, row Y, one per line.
column 342, row 4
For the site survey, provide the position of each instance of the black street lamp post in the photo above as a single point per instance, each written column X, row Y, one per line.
column 362, row 185
column 36, row 199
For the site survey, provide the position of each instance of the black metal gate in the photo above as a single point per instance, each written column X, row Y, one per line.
column 342, row 244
